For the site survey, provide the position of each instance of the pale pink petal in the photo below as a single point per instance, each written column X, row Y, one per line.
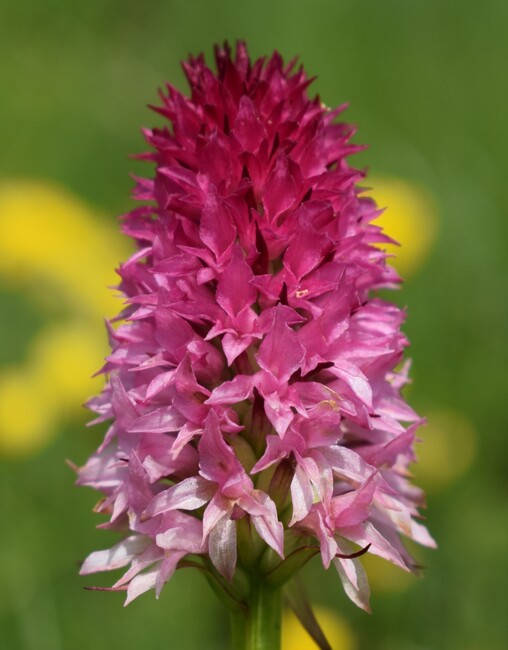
column 301, row 495
column 141, row 583
column 218, row 462
column 266, row 523
column 353, row 508
column 189, row 494
column 366, row 534
column 167, row 568
column 115, row 557
column 160, row 420
column 222, row 547
column 356, row 380
column 347, row 464
column 218, row 508
column 354, row 580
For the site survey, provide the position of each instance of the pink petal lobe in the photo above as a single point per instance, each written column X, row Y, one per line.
column 234, row 291
column 280, row 353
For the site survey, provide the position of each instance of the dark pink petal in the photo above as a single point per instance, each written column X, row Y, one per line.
column 216, row 227
column 233, row 346
column 306, row 250
column 249, row 128
column 159, row 383
column 124, row 409
column 232, row 392
column 172, row 332
column 280, row 353
column 234, row 291
column 281, row 190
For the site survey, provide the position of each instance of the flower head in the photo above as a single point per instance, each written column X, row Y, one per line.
column 254, row 383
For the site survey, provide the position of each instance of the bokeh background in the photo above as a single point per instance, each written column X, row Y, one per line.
column 427, row 84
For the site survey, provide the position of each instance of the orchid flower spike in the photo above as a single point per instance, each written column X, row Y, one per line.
column 254, row 381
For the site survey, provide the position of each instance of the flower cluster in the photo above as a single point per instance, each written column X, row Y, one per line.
column 254, row 382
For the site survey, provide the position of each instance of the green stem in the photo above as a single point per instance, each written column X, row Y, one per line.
column 259, row 628
column 238, row 630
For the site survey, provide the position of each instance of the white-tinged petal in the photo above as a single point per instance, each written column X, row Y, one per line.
column 141, row 562
column 218, row 508
column 166, row 570
column 347, row 464
column 355, row 379
column 141, row 583
column 365, row 534
column 267, row 525
column 222, row 546
column 354, row 580
column 301, row 495
column 115, row 557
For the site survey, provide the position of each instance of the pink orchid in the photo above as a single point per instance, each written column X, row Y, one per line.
column 254, row 382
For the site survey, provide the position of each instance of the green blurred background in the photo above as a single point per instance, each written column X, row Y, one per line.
column 427, row 84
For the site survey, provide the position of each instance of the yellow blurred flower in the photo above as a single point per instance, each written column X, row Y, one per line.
column 447, row 451
column 52, row 246
column 51, row 241
column 335, row 628
column 386, row 577
column 26, row 419
column 410, row 218
column 54, row 382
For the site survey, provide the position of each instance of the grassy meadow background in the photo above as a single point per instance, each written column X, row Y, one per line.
column 427, row 82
